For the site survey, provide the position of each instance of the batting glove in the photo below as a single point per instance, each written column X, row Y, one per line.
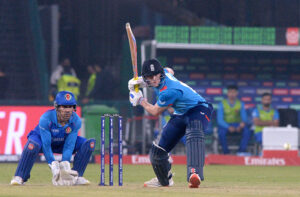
column 135, row 98
column 140, row 82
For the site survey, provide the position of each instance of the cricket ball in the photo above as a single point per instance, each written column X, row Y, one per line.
column 286, row 146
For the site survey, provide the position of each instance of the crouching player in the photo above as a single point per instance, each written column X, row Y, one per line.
column 57, row 133
column 191, row 116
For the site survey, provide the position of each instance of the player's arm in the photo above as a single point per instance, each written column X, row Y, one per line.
column 71, row 141
column 258, row 122
column 264, row 123
column 154, row 110
column 171, row 110
column 220, row 117
column 243, row 115
column 276, row 119
column 165, row 101
column 46, row 139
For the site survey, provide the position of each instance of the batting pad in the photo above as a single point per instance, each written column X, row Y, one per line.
column 28, row 157
column 82, row 157
column 160, row 162
column 195, row 148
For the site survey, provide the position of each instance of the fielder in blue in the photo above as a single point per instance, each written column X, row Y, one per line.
column 57, row 132
column 191, row 116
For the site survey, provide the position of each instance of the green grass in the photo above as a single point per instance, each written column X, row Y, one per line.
column 219, row 181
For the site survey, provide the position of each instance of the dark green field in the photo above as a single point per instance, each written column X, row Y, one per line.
column 220, row 181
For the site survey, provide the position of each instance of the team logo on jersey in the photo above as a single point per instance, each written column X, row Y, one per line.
column 68, row 130
column 30, row 146
column 161, row 102
column 68, row 97
column 92, row 144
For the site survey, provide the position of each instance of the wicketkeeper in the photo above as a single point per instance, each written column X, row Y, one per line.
column 191, row 116
column 57, row 132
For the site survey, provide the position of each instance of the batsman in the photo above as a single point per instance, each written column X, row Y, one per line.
column 57, row 132
column 190, row 117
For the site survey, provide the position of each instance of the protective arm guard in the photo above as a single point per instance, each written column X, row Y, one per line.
column 160, row 162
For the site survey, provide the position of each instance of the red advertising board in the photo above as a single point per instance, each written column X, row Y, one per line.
column 272, row 158
column 16, row 122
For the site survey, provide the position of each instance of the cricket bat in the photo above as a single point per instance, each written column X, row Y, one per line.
column 133, row 52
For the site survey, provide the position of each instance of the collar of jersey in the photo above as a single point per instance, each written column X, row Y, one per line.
column 231, row 104
column 162, row 84
column 261, row 108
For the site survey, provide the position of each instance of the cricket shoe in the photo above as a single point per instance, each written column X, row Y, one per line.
column 82, row 181
column 17, row 180
column 194, row 180
column 155, row 183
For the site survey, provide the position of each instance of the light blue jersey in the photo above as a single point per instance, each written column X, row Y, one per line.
column 56, row 137
column 177, row 94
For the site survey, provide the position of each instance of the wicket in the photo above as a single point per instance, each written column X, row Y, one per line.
column 110, row 152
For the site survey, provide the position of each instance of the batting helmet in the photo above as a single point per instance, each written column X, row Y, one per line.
column 65, row 98
column 152, row 67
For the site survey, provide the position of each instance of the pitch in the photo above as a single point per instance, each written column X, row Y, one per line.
column 219, row 181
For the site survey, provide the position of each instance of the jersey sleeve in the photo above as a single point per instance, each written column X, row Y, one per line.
column 220, row 116
column 46, row 138
column 71, row 140
column 243, row 112
column 255, row 113
column 276, row 115
column 168, row 97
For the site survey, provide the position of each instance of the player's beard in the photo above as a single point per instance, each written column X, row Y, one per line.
column 64, row 116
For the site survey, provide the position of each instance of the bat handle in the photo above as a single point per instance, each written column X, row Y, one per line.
column 136, row 88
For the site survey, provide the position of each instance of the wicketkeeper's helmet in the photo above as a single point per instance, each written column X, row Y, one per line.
column 65, row 98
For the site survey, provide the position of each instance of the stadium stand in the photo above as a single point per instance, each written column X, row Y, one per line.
column 18, row 54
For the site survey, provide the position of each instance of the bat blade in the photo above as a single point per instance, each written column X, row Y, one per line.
column 133, row 52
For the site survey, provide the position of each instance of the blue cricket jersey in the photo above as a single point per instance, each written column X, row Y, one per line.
column 54, row 136
column 177, row 94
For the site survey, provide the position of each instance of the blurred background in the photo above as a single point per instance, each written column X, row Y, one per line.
column 81, row 46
